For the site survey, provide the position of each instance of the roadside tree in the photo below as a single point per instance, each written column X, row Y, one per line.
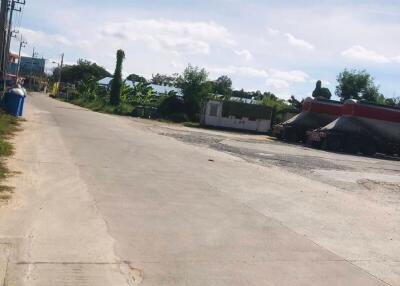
column 223, row 86
column 354, row 84
column 136, row 78
column 195, row 87
column 116, row 83
column 82, row 70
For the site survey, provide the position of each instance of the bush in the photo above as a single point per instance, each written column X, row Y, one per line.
column 177, row 117
column 171, row 105
column 72, row 94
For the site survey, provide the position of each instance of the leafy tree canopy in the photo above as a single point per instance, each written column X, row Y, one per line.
column 354, row 84
column 223, row 86
column 136, row 78
column 82, row 70
column 195, row 87
column 393, row 101
column 296, row 104
column 162, row 79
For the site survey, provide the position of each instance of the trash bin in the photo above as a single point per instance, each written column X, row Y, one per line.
column 13, row 101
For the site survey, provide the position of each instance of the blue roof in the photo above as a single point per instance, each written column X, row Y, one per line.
column 129, row 83
column 162, row 89
column 105, row 81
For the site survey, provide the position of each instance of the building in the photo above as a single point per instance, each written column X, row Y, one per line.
column 32, row 66
column 236, row 115
column 12, row 64
column 105, row 82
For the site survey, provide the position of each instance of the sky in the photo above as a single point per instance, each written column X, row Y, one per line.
column 277, row 46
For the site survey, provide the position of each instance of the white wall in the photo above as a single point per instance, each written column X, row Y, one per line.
column 259, row 125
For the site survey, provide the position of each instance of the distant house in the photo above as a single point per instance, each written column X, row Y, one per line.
column 236, row 115
column 158, row 90
column 32, row 66
column 106, row 82
column 242, row 99
column 163, row 89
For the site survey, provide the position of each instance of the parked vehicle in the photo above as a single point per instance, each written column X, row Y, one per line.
column 363, row 127
column 316, row 113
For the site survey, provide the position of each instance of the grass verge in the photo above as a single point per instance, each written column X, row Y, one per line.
column 8, row 126
column 101, row 106
column 127, row 110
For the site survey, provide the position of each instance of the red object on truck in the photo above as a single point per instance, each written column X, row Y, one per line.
column 315, row 113
column 363, row 127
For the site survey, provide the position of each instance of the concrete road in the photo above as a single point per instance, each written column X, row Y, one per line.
column 105, row 200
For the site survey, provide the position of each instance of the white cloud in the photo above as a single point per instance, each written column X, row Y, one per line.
column 284, row 79
column 44, row 39
column 275, row 78
column 273, row 32
column 397, row 59
column 361, row 53
column 277, row 83
column 296, row 42
column 239, row 70
column 175, row 36
column 324, row 82
column 177, row 65
column 245, row 54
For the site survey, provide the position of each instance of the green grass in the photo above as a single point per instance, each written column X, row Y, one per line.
column 102, row 106
column 124, row 109
column 192, row 124
column 8, row 126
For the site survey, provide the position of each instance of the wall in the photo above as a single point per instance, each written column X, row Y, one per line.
column 212, row 116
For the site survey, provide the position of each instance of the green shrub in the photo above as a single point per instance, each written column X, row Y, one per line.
column 171, row 105
column 177, row 117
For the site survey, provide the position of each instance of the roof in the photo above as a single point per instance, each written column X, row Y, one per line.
column 105, row 81
column 162, row 89
column 243, row 100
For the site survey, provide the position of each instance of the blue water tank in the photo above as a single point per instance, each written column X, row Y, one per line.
column 13, row 101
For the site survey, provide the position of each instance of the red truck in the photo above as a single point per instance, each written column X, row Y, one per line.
column 316, row 113
column 362, row 127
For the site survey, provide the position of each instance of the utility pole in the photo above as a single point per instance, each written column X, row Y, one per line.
column 59, row 74
column 3, row 37
column 22, row 44
column 61, row 66
column 10, row 19
column 31, row 72
column 11, row 33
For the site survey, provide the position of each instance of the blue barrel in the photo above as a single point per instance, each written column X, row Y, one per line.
column 13, row 101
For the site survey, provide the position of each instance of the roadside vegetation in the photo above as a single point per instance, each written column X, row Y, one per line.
column 8, row 126
column 134, row 96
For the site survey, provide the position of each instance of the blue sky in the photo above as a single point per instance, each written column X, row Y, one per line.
column 278, row 46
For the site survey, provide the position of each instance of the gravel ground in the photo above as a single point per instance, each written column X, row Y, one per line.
column 377, row 178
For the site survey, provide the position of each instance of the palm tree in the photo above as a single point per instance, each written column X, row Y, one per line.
column 117, row 80
column 143, row 92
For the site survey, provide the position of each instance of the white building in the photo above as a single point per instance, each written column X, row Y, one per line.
column 236, row 115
